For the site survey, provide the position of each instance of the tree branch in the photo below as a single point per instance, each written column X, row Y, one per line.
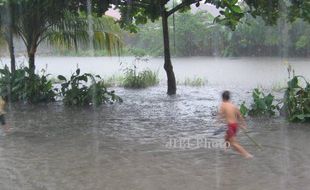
column 181, row 5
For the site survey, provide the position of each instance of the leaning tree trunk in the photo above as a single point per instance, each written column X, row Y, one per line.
column 168, row 65
column 11, row 50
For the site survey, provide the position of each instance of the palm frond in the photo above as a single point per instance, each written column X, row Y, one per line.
column 73, row 32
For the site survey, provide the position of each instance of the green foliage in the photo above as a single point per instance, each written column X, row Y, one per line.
column 138, row 12
column 72, row 33
column 268, row 10
column 25, row 86
column 262, row 105
column 196, row 35
column 243, row 109
column 192, row 36
column 297, row 99
column 231, row 13
column 139, row 79
column 142, row 79
column 75, row 91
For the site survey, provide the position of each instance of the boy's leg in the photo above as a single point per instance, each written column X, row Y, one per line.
column 233, row 142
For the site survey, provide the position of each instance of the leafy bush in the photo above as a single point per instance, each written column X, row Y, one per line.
column 23, row 85
column 143, row 79
column 76, row 92
column 297, row 100
column 135, row 79
column 262, row 105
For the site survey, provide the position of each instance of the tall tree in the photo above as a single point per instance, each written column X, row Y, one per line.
column 8, row 27
column 136, row 12
column 36, row 17
column 39, row 19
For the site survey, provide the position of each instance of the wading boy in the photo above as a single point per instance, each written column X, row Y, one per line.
column 233, row 117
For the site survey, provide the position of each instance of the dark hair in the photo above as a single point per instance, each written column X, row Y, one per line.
column 226, row 95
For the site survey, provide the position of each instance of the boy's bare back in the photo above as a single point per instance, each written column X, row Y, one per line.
column 229, row 112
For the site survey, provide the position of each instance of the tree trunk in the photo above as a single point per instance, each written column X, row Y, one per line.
column 168, row 65
column 11, row 50
column 9, row 36
column 31, row 57
column 75, row 45
column 31, row 50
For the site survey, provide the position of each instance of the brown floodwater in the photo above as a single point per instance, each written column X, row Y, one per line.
column 124, row 146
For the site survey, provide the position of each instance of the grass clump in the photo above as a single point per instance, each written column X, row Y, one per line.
column 139, row 79
column 195, row 82
column 143, row 79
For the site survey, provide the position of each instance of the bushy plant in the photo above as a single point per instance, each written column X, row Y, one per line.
column 23, row 85
column 143, row 79
column 139, row 79
column 297, row 99
column 262, row 105
column 75, row 91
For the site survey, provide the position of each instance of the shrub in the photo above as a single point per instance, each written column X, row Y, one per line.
column 76, row 92
column 143, row 79
column 23, row 85
column 262, row 105
column 135, row 79
column 297, row 99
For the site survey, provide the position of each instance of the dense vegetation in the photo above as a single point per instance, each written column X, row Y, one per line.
column 295, row 104
column 262, row 105
column 24, row 86
column 75, row 90
column 297, row 99
column 80, row 90
column 197, row 35
column 134, row 78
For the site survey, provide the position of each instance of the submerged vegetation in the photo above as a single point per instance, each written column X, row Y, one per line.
column 23, row 85
column 295, row 103
column 263, row 105
column 75, row 90
column 297, row 99
column 80, row 90
column 135, row 77
column 142, row 79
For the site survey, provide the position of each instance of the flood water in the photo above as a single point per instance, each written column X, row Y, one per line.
column 124, row 146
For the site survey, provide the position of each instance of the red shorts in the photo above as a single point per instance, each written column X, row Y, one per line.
column 232, row 130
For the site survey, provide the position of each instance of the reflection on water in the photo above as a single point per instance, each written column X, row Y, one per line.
column 122, row 146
